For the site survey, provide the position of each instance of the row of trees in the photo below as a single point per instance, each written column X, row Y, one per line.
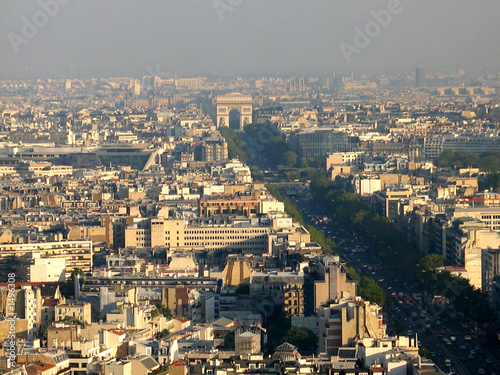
column 279, row 330
column 271, row 144
column 398, row 253
column 368, row 289
column 327, row 245
column 467, row 300
column 235, row 146
column 275, row 149
column 289, row 207
column 353, row 215
column 487, row 161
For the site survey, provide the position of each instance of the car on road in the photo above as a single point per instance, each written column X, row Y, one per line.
column 467, row 338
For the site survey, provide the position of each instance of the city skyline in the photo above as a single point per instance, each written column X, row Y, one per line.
column 221, row 187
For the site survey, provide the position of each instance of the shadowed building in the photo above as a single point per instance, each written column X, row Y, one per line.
column 420, row 78
column 342, row 322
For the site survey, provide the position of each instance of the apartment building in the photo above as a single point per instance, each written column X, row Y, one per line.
column 491, row 269
column 333, row 281
column 345, row 158
column 28, row 310
column 78, row 254
column 471, row 143
column 465, row 241
column 317, row 143
column 388, row 203
column 488, row 215
column 248, row 236
column 218, row 205
column 433, row 147
column 285, row 288
column 343, row 321
column 81, row 311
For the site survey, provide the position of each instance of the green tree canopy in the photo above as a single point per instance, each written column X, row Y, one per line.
column 289, row 158
column 161, row 310
column 303, row 338
column 369, row 290
column 243, row 289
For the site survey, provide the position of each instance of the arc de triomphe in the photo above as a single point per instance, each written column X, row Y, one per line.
column 240, row 102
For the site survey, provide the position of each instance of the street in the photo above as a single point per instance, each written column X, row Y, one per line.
column 435, row 327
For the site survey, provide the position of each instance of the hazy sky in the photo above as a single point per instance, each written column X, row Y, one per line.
column 133, row 37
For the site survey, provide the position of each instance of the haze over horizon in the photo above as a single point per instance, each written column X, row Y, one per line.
column 250, row 37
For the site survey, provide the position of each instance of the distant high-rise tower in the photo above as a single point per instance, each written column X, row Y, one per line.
column 420, row 80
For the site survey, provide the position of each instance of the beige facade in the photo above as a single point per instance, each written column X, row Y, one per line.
column 345, row 158
column 393, row 178
column 47, row 270
column 245, row 207
column 336, row 170
column 336, row 284
column 21, row 329
column 80, row 311
column 27, row 307
column 62, row 336
column 388, row 203
column 237, row 271
column 465, row 242
column 175, row 234
column 6, row 235
column 341, row 323
column 78, row 254
column 488, row 215
column 247, row 343
column 117, row 368
column 96, row 234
